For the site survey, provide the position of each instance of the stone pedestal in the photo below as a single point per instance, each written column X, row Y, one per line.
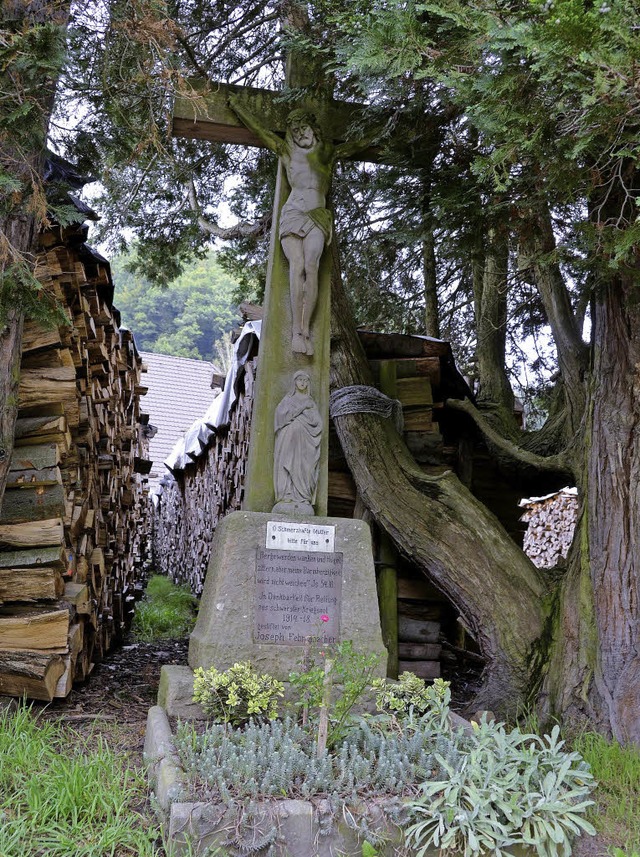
column 256, row 606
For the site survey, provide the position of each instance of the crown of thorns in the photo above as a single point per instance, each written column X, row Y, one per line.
column 300, row 116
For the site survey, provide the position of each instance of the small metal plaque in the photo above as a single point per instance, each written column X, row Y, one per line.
column 298, row 596
column 285, row 536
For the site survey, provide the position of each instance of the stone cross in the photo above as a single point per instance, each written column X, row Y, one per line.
column 287, row 469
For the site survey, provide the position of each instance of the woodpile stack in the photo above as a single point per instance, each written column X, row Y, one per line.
column 72, row 526
column 191, row 505
column 551, row 524
column 409, row 369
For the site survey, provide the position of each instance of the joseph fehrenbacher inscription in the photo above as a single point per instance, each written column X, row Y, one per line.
column 298, row 597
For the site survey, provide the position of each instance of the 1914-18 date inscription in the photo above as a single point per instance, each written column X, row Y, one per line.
column 298, row 597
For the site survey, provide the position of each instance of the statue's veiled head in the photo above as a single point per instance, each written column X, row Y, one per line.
column 301, row 382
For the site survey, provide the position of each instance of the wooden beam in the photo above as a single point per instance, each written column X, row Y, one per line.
column 204, row 114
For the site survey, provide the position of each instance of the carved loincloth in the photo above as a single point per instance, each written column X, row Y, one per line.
column 295, row 221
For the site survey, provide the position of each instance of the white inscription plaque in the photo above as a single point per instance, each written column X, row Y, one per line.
column 285, row 536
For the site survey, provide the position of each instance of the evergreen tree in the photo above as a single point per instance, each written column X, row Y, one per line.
column 511, row 205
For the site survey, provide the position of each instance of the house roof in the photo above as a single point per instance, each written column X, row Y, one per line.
column 179, row 391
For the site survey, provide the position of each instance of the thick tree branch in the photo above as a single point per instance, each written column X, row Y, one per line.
column 538, row 244
column 508, row 453
column 239, row 230
column 445, row 531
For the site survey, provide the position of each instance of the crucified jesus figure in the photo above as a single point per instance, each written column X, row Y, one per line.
column 306, row 225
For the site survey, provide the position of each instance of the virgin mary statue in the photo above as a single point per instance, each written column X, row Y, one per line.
column 296, row 457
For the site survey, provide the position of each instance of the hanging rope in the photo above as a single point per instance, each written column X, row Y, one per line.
column 365, row 400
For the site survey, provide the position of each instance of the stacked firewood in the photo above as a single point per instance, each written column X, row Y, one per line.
column 72, row 550
column 408, row 369
column 190, row 506
column 551, row 524
column 419, row 627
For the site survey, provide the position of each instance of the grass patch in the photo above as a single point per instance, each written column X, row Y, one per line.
column 167, row 611
column 617, row 771
column 60, row 797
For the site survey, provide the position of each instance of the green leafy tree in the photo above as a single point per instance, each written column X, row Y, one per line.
column 186, row 318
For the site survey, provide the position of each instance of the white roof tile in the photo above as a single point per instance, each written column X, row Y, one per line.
column 179, row 393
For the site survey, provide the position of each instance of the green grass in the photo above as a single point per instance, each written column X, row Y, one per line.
column 60, row 797
column 617, row 771
column 166, row 612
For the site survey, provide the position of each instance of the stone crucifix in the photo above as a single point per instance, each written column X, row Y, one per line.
column 295, row 333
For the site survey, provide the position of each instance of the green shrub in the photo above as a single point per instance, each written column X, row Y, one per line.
column 167, row 611
column 506, row 788
column 411, row 695
column 237, row 694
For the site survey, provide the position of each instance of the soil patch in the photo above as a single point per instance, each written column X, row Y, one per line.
column 115, row 699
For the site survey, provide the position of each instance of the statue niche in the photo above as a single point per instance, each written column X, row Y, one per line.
column 296, row 459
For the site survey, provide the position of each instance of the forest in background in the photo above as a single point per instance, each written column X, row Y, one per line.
column 192, row 316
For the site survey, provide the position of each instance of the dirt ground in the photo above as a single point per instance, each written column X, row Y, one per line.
column 114, row 702
column 116, row 698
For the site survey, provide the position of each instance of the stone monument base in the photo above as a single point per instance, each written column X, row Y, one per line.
column 268, row 590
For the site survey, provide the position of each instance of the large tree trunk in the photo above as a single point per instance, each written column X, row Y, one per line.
column 490, row 299
column 446, row 532
column 538, row 245
column 595, row 672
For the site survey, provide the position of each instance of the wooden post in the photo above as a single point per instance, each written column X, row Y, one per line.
column 323, row 723
column 388, row 557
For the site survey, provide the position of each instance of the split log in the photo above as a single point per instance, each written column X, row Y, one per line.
column 36, row 584
column 31, row 533
column 34, row 630
column 39, row 430
column 55, row 557
column 29, row 674
column 39, row 503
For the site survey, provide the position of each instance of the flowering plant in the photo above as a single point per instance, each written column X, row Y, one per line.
column 334, row 665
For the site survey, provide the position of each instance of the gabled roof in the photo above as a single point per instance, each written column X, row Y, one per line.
column 179, row 391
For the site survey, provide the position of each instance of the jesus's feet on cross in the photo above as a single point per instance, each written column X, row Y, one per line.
column 308, row 344
column 299, row 344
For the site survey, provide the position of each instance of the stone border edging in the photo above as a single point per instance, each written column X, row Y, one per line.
column 166, row 775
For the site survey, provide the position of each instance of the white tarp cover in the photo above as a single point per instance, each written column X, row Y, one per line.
column 197, row 436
